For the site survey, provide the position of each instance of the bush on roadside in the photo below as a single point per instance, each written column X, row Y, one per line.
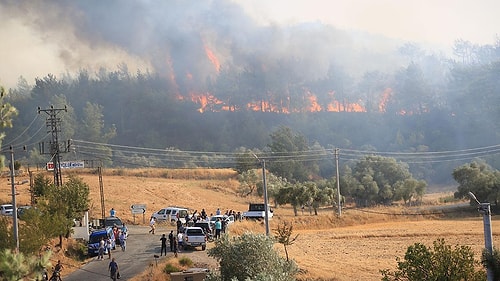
column 169, row 268
column 248, row 257
column 438, row 263
column 185, row 261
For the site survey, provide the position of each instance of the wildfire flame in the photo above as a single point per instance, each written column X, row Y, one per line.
column 213, row 58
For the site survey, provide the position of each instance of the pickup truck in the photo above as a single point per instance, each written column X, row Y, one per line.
column 257, row 211
column 194, row 236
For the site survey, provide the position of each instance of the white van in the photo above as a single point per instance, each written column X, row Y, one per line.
column 171, row 214
column 6, row 209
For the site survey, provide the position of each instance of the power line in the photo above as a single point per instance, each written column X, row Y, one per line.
column 300, row 156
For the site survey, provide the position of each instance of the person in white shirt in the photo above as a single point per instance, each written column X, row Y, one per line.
column 179, row 241
column 152, row 225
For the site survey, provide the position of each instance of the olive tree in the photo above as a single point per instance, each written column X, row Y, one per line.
column 442, row 262
column 479, row 178
column 248, row 257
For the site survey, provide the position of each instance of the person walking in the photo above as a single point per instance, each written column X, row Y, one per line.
column 152, row 225
column 163, row 240
column 171, row 240
column 56, row 275
column 113, row 270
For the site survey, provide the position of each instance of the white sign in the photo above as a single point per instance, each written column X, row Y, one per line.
column 138, row 211
column 138, row 206
column 66, row 165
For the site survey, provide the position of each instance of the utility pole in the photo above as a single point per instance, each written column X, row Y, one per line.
column 266, row 204
column 14, row 203
column 338, row 182
column 53, row 123
column 101, row 191
column 484, row 208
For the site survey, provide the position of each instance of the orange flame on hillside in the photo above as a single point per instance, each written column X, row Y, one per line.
column 213, row 58
column 385, row 97
column 208, row 100
column 313, row 103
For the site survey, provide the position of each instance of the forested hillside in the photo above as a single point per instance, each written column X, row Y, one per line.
column 216, row 92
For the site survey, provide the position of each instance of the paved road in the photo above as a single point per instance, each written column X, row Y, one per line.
column 141, row 248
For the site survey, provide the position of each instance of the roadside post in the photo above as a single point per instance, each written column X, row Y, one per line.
column 484, row 208
column 139, row 209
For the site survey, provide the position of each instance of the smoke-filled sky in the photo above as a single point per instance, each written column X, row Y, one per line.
column 437, row 22
column 186, row 39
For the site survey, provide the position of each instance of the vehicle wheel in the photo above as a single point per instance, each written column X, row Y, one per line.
column 203, row 247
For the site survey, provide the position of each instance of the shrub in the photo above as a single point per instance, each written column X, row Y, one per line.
column 249, row 256
column 440, row 263
column 185, row 261
column 169, row 268
column 77, row 250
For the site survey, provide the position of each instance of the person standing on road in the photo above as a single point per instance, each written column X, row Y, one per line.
column 108, row 247
column 171, row 240
column 123, row 240
column 218, row 228
column 100, row 254
column 112, row 212
column 113, row 270
column 163, row 240
column 152, row 225
column 179, row 241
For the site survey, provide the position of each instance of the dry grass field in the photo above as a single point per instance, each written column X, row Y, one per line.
column 353, row 247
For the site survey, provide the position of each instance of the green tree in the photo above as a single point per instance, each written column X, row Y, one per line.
column 284, row 236
column 7, row 112
column 492, row 261
column 17, row 266
column 442, row 262
column 41, row 185
column 274, row 185
column 249, row 257
column 286, row 142
column 245, row 160
column 478, row 178
column 6, row 236
column 378, row 180
column 248, row 182
column 64, row 203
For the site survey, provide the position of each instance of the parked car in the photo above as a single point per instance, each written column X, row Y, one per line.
column 229, row 219
column 6, row 209
column 112, row 221
column 171, row 214
column 21, row 210
column 95, row 238
column 257, row 211
column 193, row 237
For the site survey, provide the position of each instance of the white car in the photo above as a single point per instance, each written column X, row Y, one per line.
column 6, row 209
column 229, row 220
column 171, row 214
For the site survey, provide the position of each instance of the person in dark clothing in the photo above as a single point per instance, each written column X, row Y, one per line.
column 113, row 270
column 171, row 240
column 163, row 245
column 179, row 225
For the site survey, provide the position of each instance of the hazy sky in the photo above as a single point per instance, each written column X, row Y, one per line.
column 431, row 21
column 38, row 40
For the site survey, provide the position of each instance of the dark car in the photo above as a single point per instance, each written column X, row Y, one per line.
column 95, row 238
column 205, row 225
column 112, row 221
